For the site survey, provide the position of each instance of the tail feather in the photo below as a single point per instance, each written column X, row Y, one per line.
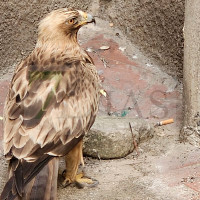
column 9, row 192
column 42, row 186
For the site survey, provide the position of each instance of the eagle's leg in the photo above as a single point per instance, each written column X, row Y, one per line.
column 73, row 159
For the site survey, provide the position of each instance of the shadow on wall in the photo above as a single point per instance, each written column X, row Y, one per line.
column 154, row 25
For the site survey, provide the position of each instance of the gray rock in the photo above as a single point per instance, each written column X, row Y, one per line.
column 110, row 137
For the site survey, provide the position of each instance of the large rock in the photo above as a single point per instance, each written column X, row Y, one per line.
column 110, row 137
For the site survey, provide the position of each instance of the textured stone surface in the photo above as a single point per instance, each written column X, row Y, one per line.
column 134, row 89
column 111, row 137
column 154, row 25
column 3, row 93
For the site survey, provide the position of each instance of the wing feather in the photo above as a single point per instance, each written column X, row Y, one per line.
column 19, row 140
column 46, row 108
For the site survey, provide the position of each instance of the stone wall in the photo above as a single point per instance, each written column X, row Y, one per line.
column 155, row 26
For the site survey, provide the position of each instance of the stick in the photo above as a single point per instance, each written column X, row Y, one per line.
column 134, row 142
column 105, row 63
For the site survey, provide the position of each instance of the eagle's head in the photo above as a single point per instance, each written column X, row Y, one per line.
column 61, row 24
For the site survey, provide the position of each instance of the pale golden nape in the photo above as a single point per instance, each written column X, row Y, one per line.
column 52, row 103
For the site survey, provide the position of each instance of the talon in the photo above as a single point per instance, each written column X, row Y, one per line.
column 85, row 181
column 66, row 182
column 89, row 185
column 64, row 173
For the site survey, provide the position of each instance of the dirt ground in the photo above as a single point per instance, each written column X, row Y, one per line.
column 165, row 169
column 143, row 177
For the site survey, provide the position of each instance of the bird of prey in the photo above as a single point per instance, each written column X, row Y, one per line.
column 52, row 103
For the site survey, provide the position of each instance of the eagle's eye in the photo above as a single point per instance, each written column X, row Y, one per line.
column 71, row 21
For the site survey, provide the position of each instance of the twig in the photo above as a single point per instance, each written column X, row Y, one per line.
column 134, row 142
column 105, row 63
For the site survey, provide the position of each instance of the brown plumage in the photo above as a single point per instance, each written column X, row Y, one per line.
column 52, row 102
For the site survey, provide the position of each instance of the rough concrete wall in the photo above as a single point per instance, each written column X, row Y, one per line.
column 18, row 25
column 191, row 79
column 154, row 25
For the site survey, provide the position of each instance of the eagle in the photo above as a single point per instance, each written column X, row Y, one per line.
column 51, row 104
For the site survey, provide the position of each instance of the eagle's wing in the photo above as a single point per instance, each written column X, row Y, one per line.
column 45, row 107
column 47, row 112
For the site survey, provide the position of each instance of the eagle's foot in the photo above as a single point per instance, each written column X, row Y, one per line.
column 82, row 181
column 67, row 181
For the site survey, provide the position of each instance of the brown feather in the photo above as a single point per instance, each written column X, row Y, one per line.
column 19, row 141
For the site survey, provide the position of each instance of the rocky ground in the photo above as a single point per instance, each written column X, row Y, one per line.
column 140, row 93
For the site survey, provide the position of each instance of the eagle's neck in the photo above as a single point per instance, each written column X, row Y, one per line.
column 58, row 43
column 59, row 48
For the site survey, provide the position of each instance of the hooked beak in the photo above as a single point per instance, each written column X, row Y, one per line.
column 86, row 18
column 90, row 19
